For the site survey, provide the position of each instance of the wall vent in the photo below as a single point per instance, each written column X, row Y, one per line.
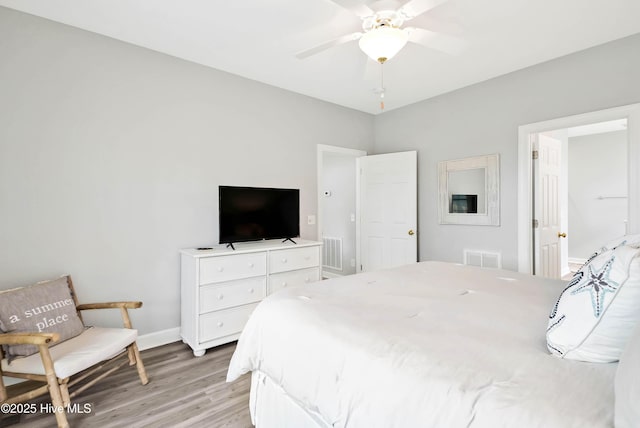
column 332, row 253
column 486, row 259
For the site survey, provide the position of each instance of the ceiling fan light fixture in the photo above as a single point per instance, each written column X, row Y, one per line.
column 383, row 43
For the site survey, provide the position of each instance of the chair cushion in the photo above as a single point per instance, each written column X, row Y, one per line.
column 595, row 314
column 94, row 345
column 46, row 307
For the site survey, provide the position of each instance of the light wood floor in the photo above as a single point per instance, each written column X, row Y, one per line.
column 184, row 391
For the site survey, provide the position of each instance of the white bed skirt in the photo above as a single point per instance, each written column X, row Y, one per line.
column 271, row 407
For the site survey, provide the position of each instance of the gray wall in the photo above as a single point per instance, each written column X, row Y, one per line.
column 597, row 167
column 110, row 158
column 484, row 119
column 110, row 154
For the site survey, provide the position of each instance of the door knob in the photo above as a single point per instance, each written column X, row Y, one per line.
column 562, row 235
column 411, row 232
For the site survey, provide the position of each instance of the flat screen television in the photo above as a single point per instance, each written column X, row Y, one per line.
column 256, row 213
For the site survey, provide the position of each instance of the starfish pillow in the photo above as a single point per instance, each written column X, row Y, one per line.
column 630, row 240
column 597, row 311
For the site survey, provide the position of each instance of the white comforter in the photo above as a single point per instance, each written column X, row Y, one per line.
column 425, row 345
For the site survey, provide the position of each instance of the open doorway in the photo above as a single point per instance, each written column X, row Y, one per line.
column 597, row 191
column 337, row 209
column 367, row 210
column 578, row 187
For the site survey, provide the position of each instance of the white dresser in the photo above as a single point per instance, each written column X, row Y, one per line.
column 221, row 287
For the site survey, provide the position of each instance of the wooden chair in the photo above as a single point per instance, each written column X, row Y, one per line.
column 80, row 361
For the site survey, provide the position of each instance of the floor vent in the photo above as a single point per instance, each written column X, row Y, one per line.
column 487, row 259
column 332, row 253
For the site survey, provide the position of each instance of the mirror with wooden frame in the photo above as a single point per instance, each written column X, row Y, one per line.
column 469, row 191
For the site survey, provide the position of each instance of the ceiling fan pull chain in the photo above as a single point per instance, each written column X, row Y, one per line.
column 381, row 85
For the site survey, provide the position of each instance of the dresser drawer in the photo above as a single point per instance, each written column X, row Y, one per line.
column 290, row 279
column 294, row 258
column 233, row 293
column 225, row 268
column 218, row 324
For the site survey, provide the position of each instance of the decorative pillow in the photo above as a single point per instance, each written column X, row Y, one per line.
column 595, row 314
column 44, row 307
column 627, row 384
column 630, row 240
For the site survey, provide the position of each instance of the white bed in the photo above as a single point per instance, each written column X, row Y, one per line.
column 425, row 345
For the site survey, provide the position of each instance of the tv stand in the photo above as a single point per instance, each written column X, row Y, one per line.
column 230, row 244
column 289, row 239
column 220, row 287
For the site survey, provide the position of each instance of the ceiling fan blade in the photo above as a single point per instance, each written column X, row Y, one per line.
column 356, row 6
column 413, row 8
column 335, row 42
column 438, row 41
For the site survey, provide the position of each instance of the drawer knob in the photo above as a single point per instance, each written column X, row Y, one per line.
column 220, row 296
column 220, row 268
column 307, row 279
column 284, row 284
column 284, row 260
column 251, row 290
column 250, row 264
column 220, row 323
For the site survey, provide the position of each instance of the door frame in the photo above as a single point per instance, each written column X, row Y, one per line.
column 630, row 112
column 320, row 151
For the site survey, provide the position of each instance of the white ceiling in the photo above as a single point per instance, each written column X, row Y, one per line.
column 258, row 39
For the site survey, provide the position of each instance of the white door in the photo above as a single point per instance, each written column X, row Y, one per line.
column 546, row 206
column 387, row 211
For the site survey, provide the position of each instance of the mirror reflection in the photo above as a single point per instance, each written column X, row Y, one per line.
column 467, row 191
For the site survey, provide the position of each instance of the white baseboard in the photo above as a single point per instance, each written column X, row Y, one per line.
column 328, row 275
column 576, row 260
column 8, row 381
column 145, row 341
column 158, row 338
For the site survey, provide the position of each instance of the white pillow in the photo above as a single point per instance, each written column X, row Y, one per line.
column 630, row 240
column 595, row 314
column 627, row 386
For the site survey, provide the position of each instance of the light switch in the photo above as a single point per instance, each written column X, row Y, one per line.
column 311, row 219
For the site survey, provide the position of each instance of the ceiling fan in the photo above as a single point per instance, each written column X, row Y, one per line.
column 383, row 35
